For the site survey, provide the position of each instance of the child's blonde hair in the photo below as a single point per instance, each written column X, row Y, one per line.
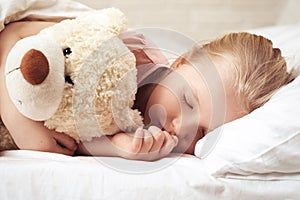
column 260, row 70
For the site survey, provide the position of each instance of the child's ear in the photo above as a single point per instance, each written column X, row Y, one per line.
column 178, row 62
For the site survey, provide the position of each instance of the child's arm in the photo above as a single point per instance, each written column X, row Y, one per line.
column 151, row 144
column 16, row 31
column 27, row 134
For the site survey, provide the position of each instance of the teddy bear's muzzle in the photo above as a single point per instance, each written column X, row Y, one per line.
column 35, row 76
column 34, row 67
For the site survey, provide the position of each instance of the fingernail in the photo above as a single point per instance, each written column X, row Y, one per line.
column 139, row 129
column 139, row 132
column 175, row 138
column 154, row 129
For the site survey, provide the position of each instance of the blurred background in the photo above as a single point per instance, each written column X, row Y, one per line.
column 204, row 19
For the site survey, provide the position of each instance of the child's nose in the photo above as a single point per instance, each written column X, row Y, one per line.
column 174, row 127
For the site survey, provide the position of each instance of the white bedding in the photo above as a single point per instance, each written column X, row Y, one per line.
column 39, row 175
column 50, row 10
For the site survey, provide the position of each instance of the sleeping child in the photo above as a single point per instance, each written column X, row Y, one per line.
column 208, row 86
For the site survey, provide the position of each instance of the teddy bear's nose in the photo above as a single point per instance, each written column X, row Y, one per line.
column 34, row 67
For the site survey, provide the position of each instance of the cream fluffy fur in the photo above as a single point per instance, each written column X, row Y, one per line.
column 103, row 73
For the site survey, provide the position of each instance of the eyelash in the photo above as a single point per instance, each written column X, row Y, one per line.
column 185, row 100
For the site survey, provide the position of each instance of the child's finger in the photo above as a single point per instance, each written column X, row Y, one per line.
column 158, row 138
column 169, row 143
column 147, row 142
column 65, row 141
column 137, row 140
column 63, row 150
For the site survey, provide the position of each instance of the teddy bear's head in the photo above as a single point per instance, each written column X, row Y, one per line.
column 77, row 76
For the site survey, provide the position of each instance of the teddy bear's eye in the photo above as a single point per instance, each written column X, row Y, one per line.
column 68, row 80
column 67, row 51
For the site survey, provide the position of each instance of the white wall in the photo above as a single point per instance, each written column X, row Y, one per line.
column 204, row 19
column 291, row 13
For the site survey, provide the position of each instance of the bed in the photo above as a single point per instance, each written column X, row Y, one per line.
column 228, row 164
column 38, row 175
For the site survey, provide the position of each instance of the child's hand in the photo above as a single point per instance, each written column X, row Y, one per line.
column 63, row 144
column 151, row 144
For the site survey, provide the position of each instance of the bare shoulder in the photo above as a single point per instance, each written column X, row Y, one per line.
column 16, row 31
column 25, row 28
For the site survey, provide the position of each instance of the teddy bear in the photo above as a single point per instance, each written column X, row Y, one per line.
column 77, row 76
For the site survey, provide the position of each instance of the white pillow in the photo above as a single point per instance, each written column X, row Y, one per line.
column 265, row 143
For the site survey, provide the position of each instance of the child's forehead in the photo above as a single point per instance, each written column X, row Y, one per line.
column 174, row 79
column 180, row 81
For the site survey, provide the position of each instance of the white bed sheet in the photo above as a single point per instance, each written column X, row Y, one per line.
column 39, row 175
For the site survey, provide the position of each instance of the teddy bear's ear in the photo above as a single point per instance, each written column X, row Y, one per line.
column 34, row 67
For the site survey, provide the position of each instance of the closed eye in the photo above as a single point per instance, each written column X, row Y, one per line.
column 186, row 100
